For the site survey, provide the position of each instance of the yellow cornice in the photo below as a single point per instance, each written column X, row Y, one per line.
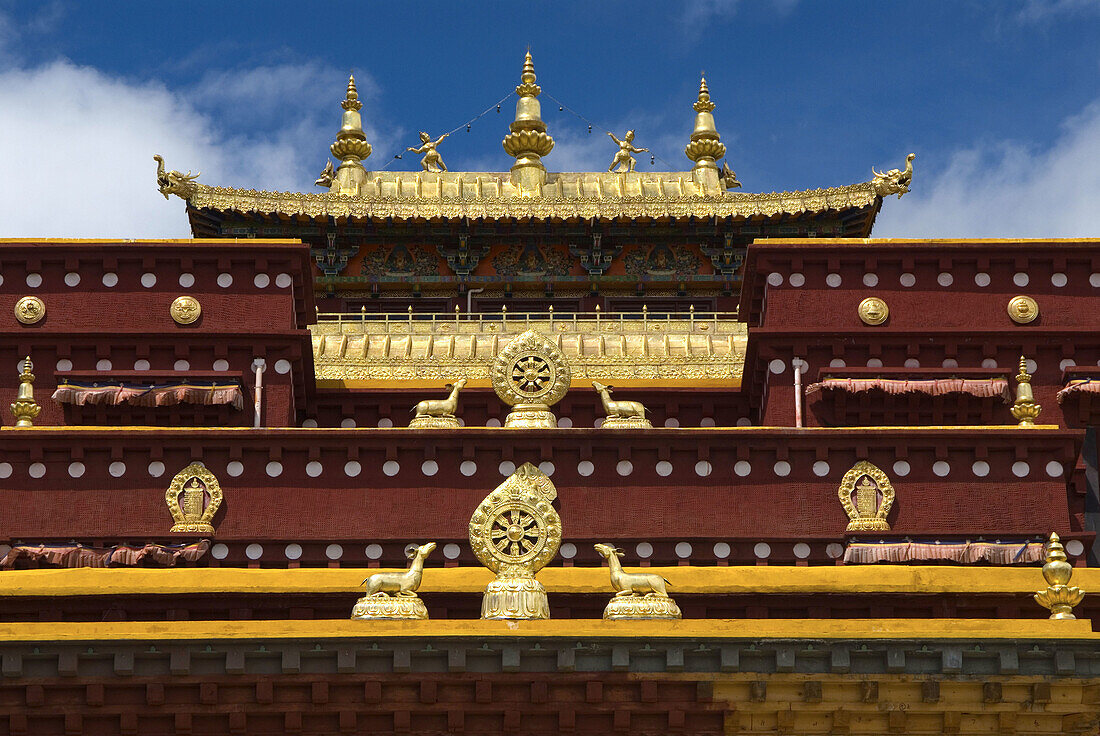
column 769, row 580
column 950, row 629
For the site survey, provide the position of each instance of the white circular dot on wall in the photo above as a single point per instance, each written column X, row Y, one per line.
column 911, row 363
column 34, row 280
column 142, row 365
column 274, row 469
column 234, row 468
column 506, row 467
column 547, row 468
column 874, row 362
column 744, row 422
column 1021, row 279
column 64, row 365
column 762, row 550
column 148, row 280
column 283, row 280
column 742, row 468
column 5, row 470
column 777, row 366
column 352, row 468
column 1094, row 280
column 989, row 363
column 644, row 550
column 181, row 365
column 467, row 468
column 945, row 279
column 282, row 366
column 707, row 422
column 72, row 279
column 1032, row 366
column 568, row 550
column 1020, row 469
column 314, row 468
column 36, row 470
column 585, row 468
column 672, row 422
column 663, row 468
column 219, row 551
column 261, row 281
column 941, row 468
column 703, row 468
column 775, row 279
column 76, row 469
column 870, row 279
column 624, row 467
column 782, row 468
column 429, row 467
column 334, row 551
column 225, row 280
column 901, row 467
column 309, row 424
column 492, row 422
column 797, row 279
column 721, row 550
column 110, row 280
column 598, row 422
column 801, row 550
column 565, row 422
column 837, row 363
column 834, row 280
column 1054, row 469
column 834, row 550
column 683, row 550
column 293, row 551
column 384, row 423
column 452, row 551
column 1, row 279
column 1075, row 547
column 1058, row 280
column 1067, row 363
column 156, row 469
column 391, row 468
column 907, row 280
column 950, row 363
column 254, row 551
column 117, row 469
column 187, row 280
column 221, row 364
column 373, row 551
column 347, row 423
column 982, row 279
column 103, row 365
column 980, row 468
column 821, row 468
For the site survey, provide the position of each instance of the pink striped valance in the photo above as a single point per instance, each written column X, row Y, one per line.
column 114, row 394
column 995, row 553
column 77, row 555
column 981, row 387
column 1080, row 385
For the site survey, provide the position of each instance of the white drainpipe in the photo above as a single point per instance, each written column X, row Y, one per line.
column 470, row 298
column 797, row 364
column 260, row 365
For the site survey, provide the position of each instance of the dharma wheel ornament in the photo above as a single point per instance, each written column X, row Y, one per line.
column 867, row 496
column 637, row 595
column 531, row 375
column 392, row 595
column 193, row 498
column 515, row 532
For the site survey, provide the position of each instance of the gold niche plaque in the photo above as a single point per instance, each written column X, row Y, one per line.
column 193, row 498
column 873, row 311
column 531, row 375
column 1023, row 309
column 867, row 496
column 30, row 310
column 514, row 532
column 185, row 310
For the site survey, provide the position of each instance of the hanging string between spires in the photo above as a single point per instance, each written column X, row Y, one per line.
column 495, row 106
column 590, row 124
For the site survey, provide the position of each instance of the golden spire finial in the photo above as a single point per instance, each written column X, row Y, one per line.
column 25, row 408
column 351, row 146
column 1024, row 409
column 706, row 145
column 1058, row 597
column 528, row 141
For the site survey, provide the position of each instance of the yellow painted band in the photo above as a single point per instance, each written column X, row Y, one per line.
column 967, row 629
column 434, row 384
column 850, row 580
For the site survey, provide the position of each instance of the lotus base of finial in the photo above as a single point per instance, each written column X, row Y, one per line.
column 385, row 607
column 872, row 524
column 520, row 598
column 1026, row 412
column 626, row 423
column 1060, row 599
column 25, row 411
column 530, row 416
column 641, row 607
column 434, row 423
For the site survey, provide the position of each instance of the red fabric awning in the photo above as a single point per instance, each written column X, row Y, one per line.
column 980, row 387
column 1080, row 385
column 995, row 553
column 77, row 555
column 114, row 394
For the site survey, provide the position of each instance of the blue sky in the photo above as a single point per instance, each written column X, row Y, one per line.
column 1000, row 100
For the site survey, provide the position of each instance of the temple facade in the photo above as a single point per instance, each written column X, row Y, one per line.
column 448, row 452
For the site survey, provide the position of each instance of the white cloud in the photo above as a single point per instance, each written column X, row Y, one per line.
column 81, row 164
column 1007, row 190
column 1041, row 10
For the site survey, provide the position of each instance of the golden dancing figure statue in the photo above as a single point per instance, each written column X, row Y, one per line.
column 621, row 414
column 623, row 157
column 392, row 595
column 637, row 595
column 438, row 413
column 432, row 161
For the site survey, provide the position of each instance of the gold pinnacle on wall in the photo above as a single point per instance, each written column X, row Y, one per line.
column 1024, row 409
column 25, row 408
column 351, row 146
column 528, row 141
column 706, row 145
column 1059, row 597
